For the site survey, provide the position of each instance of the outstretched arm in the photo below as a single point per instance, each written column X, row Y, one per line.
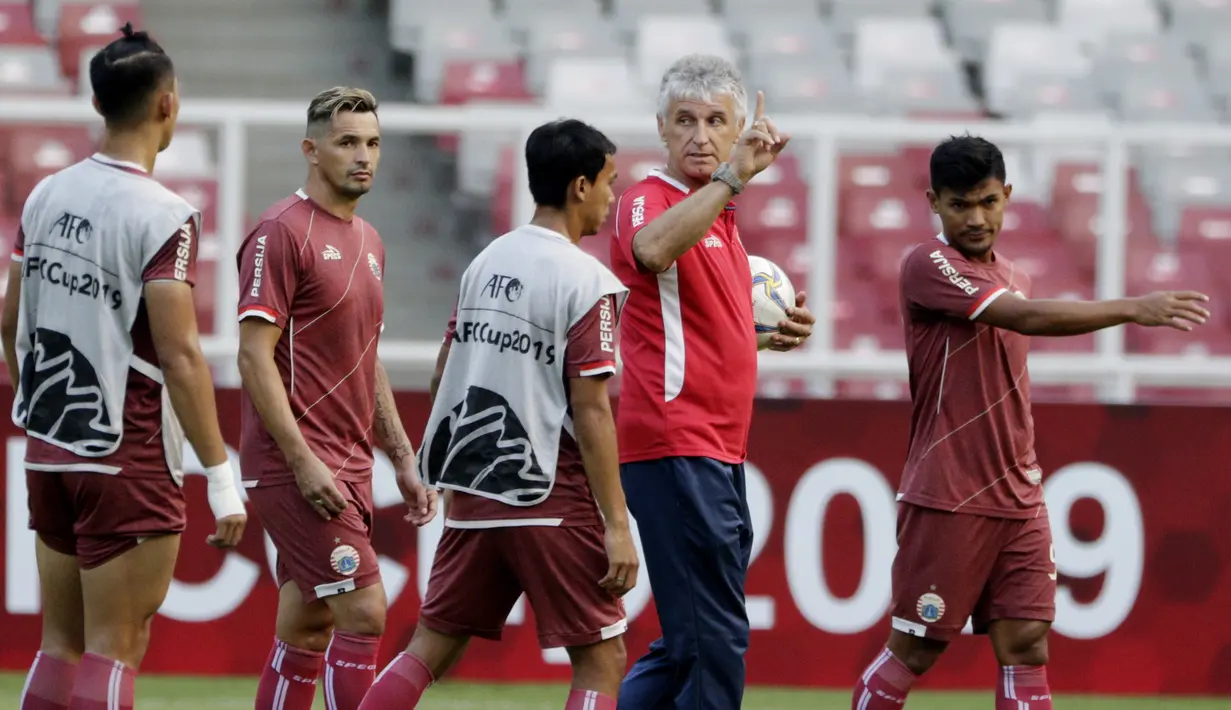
column 1176, row 309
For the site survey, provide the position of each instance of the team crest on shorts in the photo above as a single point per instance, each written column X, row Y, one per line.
column 345, row 560
column 374, row 265
column 930, row 607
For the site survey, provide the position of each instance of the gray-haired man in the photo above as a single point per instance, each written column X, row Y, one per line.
column 690, row 362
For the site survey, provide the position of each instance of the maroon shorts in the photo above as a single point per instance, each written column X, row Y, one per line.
column 97, row 517
column 478, row 575
column 323, row 557
column 952, row 567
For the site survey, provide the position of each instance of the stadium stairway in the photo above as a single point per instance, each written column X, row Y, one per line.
column 290, row 50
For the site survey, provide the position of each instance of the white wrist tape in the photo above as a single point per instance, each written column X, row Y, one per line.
column 224, row 498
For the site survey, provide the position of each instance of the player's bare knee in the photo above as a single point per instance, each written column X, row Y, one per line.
column 1020, row 643
column 917, row 653
column 600, row 666
column 362, row 614
column 438, row 651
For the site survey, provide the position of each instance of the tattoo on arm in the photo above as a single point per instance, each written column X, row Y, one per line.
column 390, row 435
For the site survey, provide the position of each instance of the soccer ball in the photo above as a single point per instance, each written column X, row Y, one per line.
column 772, row 294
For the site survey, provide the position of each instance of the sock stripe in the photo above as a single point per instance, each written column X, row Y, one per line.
column 873, row 669
column 113, row 686
column 279, row 654
column 331, row 701
column 1010, row 688
column 25, row 689
column 865, row 699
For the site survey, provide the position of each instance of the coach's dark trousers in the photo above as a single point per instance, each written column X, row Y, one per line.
column 696, row 535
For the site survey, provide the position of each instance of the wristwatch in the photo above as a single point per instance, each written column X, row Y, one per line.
column 725, row 173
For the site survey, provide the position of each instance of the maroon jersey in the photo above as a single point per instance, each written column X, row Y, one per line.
column 141, row 453
column 318, row 278
column 972, row 437
column 571, row 503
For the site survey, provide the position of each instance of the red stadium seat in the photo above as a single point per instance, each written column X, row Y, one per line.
column 17, row 25
column 34, row 153
column 772, row 214
column 31, row 70
column 1078, row 219
column 1153, row 270
column 84, row 25
column 877, row 212
column 858, row 171
column 469, row 80
column 202, row 194
column 1054, row 267
column 1203, row 223
column 1062, row 393
column 1024, row 219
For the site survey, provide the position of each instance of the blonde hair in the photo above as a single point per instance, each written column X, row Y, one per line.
column 330, row 102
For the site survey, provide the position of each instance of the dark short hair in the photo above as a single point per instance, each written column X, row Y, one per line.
column 559, row 152
column 962, row 162
column 125, row 75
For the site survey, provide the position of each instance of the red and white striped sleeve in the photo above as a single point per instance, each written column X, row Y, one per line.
column 19, row 247
column 268, row 274
column 591, row 342
column 941, row 280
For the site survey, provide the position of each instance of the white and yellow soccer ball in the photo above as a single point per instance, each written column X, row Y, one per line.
column 772, row 295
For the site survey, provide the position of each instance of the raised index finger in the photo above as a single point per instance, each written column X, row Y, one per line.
column 760, row 112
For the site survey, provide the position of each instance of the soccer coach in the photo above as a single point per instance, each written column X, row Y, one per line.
column 690, row 366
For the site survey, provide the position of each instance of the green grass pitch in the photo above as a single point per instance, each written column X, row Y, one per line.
column 181, row 693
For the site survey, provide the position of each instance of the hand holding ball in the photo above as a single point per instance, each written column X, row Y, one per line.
column 772, row 295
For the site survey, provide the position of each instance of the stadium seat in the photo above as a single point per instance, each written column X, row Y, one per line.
column 188, row 156
column 1020, row 51
column 738, row 12
column 524, row 16
column 846, row 15
column 468, row 80
column 795, row 37
column 883, row 46
column 970, row 22
column 803, row 86
column 35, row 153
column 872, row 170
column 1188, row 396
column 906, row 90
column 458, row 39
column 566, row 35
column 876, row 212
column 17, row 25
column 91, row 25
column 1176, row 184
column 592, row 83
column 770, row 214
column 1201, row 20
column 31, row 70
column 1173, row 94
column 1094, row 20
column 408, row 19
column 1126, row 54
column 662, row 39
column 1054, row 268
column 1151, row 270
column 201, row 193
column 628, row 15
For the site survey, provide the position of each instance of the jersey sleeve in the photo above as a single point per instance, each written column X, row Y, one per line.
column 19, row 246
column 268, row 274
column 939, row 280
column 591, row 342
column 638, row 207
column 176, row 259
